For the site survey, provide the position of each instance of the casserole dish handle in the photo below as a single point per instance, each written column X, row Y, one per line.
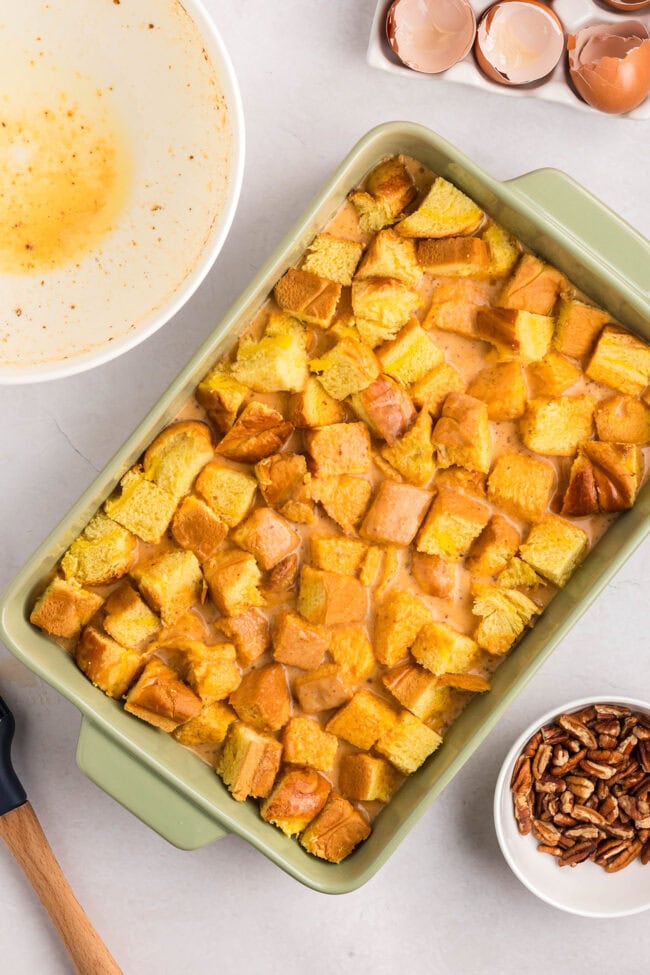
column 156, row 803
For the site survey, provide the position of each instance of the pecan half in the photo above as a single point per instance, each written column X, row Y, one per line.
column 625, row 858
column 546, row 833
column 580, row 786
column 541, row 760
column 576, row 854
column 579, row 730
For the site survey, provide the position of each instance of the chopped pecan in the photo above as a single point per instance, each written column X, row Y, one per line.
column 609, row 809
column 576, row 854
column 611, row 756
column 563, row 819
column 533, row 745
column 555, row 851
column 642, row 732
column 619, row 831
column 523, row 814
column 580, row 786
column 625, row 858
column 578, row 729
column 560, row 756
column 541, row 760
column 553, row 735
column 611, row 711
column 609, row 726
column 645, row 854
column 598, row 769
column 522, row 777
column 608, row 849
column 584, row 833
column 572, row 763
column 546, row 833
column 627, row 745
column 630, row 722
column 586, row 815
column 550, row 783
column 607, row 741
column 644, row 754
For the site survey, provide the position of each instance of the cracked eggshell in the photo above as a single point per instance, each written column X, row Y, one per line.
column 519, row 41
column 627, row 6
column 610, row 65
column 430, row 35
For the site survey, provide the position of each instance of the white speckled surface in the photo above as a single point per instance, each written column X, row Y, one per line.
column 446, row 902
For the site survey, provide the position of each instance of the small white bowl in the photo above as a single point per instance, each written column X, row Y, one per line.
column 585, row 889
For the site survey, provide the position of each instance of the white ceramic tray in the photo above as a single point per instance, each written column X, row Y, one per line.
column 574, row 14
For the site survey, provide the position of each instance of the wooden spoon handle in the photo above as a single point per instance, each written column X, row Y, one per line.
column 23, row 834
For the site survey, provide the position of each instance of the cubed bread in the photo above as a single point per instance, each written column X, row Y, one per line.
column 340, row 448
column 322, row 689
column 211, row 672
column 362, row 720
column 335, row 832
column 534, row 286
column 297, row 642
column 444, row 212
column 502, row 389
column 389, row 189
column 396, row 513
column 411, row 355
column 521, row 485
column 197, row 528
column 435, row 576
column 305, row 743
column 505, row 613
column 336, row 554
column 346, row 368
column 454, row 305
column 170, row 583
column 552, row 375
column 344, row 498
column 262, row 700
column 258, row 432
column 515, row 334
column 298, row 796
column 577, row 328
column 442, row 649
column 453, row 522
column 408, row 743
column 103, row 553
column 494, row 547
column 460, row 479
column 623, row 419
column 106, row 663
column 277, row 362
column 308, row 297
column 249, row 631
column 352, row 651
column 161, row 698
column 400, row 617
column 222, row 395
column 417, row 691
column 432, row 390
column 210, row 727
column 64, row 608
column 333, row 258
column 557, row 426
column 284, row 575
column 604, row 477
column 285, row 485
column 228, row 492
column 330, row 598
column 412, row 455
column 177, row 455
column 371, row 567
column 504, row 250
column 249, row 762
column 141, row 506
column 519, row 575
column 554, row 547
column 384, row 304
column 389, row 255
column 462, row 436
column 620, row 360
column 385, row 407
column 233, row 578
column 463, row 257
column 267, row 536
column 127, row 618
column 366, row 778
column 314, row 407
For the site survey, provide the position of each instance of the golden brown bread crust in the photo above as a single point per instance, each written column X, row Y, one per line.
column 322, row 689
column 177, row 455
column 335, row 832
column 341, row 448
column 64, row 608
column 106, row 663
column 258, row 432
column 284, row 483
column 297, row 798
column 297, row 642
column 604, row 477
column 267, row 536
column 533, row 287
column 249, row 631
column 284, row 575
column 314, row 407
column 196, row 527
column 391, row 182
column 161, row 698
column 330, row 598
column 262, row 699
column 462, row 434
column 396, row 513
column 307, row 296
column 386, row 407
column 433, row 574
column 436, row 255
column 249, row 762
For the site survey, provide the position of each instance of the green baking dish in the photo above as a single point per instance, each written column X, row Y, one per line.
column 169, row 788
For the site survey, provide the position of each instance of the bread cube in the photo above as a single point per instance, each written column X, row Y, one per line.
column 494, row 547
column 441, row 649
column 228, row 492
column 298, row 796
column 64, row 608
column 554, row 547
column 211, row 672
column 106, row 663
column 471, row 683
column 515, row 334
column 400, row 617
column 385, row 407
column 444, row 212
column 552, row 375
column 344, row 498
column 556, row 427
column 341, row 448
column 308, row 297
column 161, row 698
column 249, row 631
column 197, row 528
column 128, row 619
column 460, row 479
column 408, row 743
column 412, row 455
column 258, row 432
column 335, row 832
column 391, row 256
column 454, row 305
column 277, row 362
column 417, row 691
column 623, row 419
column 505, row 613
column 521, row 485
column 170, row 583
column 605, row 477
column 267, row 536
column 366, row 778
column 462, row 434
column 348, row 367
column 249, row 762
column 504, row 250
column 210, row 727
column 222, row 395
column 285, row 484
column 336, row 554
column 141, row 506
column 389, row 189
column 620, row 360
column 577, row 327
column 502, row 389
column 384, row 302
column 177, row 455
column 305, row 743
column 262, row 700
column 297, row 642
column 103, row 553
column 330, row 598
column 352, row 651
column 362, row 720
column 314, row 407
column 452, row 524
column 434, row 575
column 283, row 576
column 396, row 513
column 519, row 575
column 322, row 689
column 411, row 355
column 333, row 258
column 233, row 578
column 431, row 391
column 534, row 287
column 371, row 567
column 462, row 257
